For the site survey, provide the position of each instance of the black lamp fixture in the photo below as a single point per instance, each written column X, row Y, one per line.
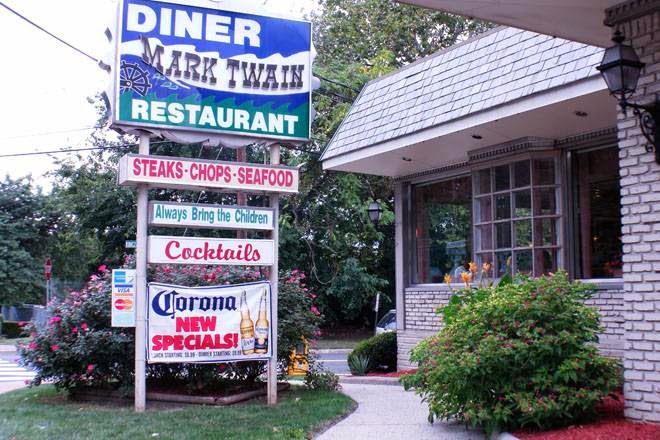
column 621, row 69
column 375, row 212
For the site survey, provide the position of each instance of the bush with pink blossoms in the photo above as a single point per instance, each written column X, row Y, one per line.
column 77, row 347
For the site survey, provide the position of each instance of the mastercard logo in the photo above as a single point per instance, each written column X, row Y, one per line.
column 124, row 304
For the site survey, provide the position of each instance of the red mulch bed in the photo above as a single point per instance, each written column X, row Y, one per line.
column 393, row 374
column 612, row 426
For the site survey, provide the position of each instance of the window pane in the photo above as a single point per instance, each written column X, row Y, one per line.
column 545, row 232
column 523, row 233
column 484, row 209
column 502, row 263
column 502, row 206
column 523, row 203
column 521, row 174
column 524, row 262
column 502, row 181
column 503, row 232
column 545, row 201
column 483, row 181
column 443, row 228
column 546, row 261
column 598, row 207
column 484, row 237
column 544, row 172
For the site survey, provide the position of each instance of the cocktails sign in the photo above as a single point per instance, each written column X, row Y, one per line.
column 208, row 70
column 209, row 324
column 206, row 251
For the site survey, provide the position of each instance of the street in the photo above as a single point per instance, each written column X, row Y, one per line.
column 333, row 360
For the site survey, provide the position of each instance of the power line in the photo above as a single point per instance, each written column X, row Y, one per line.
column 47, row 32
column 335, row 82
column 47, row 133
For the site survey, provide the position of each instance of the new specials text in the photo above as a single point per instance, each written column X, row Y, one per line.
column 212, row 173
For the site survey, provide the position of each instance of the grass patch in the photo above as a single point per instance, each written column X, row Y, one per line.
column 45, row 413
column 346, row 338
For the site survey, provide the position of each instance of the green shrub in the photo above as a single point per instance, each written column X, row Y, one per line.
column 380, row 350
column 359, row 364
column 77, row 347
column 517, row 355
column 320, row 379
column 11, row 329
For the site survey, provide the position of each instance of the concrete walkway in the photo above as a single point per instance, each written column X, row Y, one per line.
column 387, row 412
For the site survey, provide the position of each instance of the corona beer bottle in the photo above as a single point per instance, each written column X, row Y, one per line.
column 247, row 327
column 261, row 327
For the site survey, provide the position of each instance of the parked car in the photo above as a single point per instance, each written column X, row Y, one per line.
column 387, row 323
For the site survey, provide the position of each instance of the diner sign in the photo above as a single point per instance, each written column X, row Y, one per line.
column 207, row 251
column 183, row 215
column 209, row 324
column 174, row 172
column 219, row 71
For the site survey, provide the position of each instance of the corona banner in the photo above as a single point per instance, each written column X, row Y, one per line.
column 173, row 172
column 209, row 324
column 199, row 69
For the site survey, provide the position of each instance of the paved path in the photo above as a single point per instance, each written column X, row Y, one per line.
column 387, row 412
column 12, row 372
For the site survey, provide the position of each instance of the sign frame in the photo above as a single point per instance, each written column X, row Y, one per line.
column 116, row 122
column 265, row 244
column 267, row 227
column 124, row 177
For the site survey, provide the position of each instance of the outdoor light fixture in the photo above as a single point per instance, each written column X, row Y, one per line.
column 621, row 69
column 375, row 212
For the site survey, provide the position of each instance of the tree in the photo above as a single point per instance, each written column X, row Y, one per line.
column 25, row 225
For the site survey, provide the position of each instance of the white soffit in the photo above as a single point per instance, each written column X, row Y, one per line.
column 577, row 20
column 549, row 115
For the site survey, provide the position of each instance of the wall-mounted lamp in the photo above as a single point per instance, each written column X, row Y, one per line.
column 375, row 212
column 621, row 68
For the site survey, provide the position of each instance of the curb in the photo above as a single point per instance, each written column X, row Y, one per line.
column 370, row 380
column 7, row 349
column 332, row 350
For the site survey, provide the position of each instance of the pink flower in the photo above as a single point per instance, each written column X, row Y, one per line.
column 74, row 330
column 90, row 368
column 302, row 276
column 315, row 311
column 54, row 319
column 54, row 347
column 32, row 346
column 103, row 268
column 167, row 269
column 84, row 326
column 313, row 296
column 33, row 335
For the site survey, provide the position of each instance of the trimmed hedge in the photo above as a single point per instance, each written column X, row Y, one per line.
column 381, row 351
column 10, row 329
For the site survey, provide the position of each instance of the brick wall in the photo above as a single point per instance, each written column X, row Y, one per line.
column 640, row 200
column 421, row 320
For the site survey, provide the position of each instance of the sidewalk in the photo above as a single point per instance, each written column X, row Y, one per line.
column 387, row 412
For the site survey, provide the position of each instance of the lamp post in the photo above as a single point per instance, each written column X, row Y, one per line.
column 375, row 212
column 621, row 69
column 48, row 271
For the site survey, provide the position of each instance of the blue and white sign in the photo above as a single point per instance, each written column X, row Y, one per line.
column 185, row 215
column 211, row 70
column 123, row 298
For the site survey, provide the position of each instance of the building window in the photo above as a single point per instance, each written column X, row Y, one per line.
column 517, row 217
column 597, row 218
column 443, row 229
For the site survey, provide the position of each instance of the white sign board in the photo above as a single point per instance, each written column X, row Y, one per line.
column 209, row 324
column 174, row 172
column 185, row 215
column 207, row 251
column 123, row 298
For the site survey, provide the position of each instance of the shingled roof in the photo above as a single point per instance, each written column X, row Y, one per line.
column 497, row 67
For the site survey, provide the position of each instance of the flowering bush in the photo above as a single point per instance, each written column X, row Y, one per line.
column 77, row 347
column 515, row 355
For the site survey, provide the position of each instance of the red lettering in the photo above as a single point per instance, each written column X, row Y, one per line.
column 186, row 253
column 157, row 343
column 168, row 253
column 136, row 166
column 241, row 175
column 289, row 179
column 227, row 173
column 152, row 168
column 193, row 171
column 198, row 254
column 179, row 170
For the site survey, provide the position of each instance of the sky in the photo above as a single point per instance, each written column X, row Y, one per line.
column 46, row 85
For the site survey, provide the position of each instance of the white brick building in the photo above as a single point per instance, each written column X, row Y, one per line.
column 508, row 148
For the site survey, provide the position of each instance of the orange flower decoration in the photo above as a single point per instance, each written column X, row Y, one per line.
column 447, row 279
column 473, row 267
column 466, row 277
